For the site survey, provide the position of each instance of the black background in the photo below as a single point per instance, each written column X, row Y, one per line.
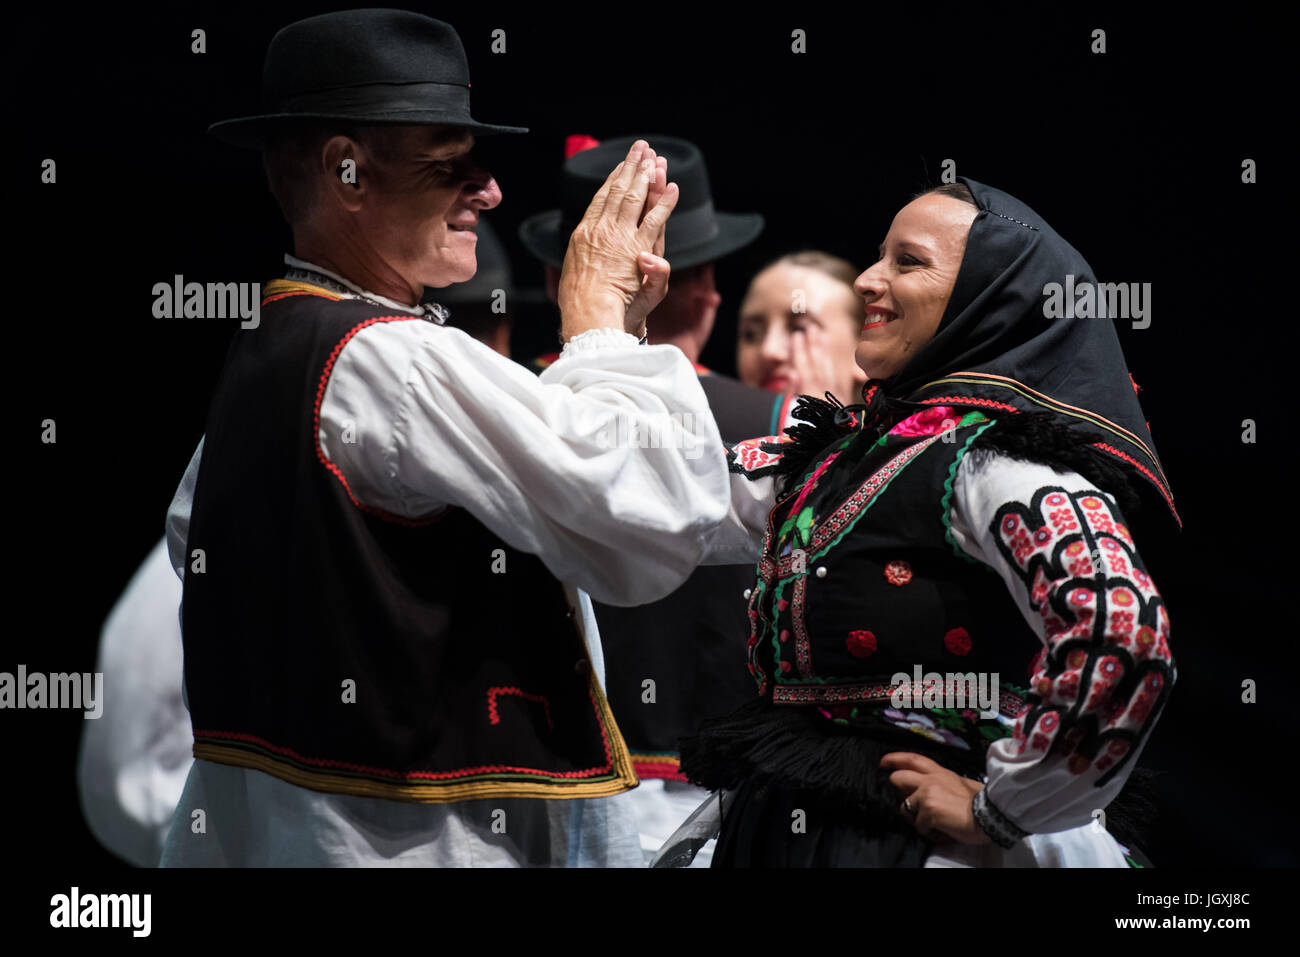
column 1134, row 156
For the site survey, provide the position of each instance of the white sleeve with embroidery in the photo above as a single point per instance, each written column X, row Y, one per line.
column 1105, row 670
column 739, row 537
column 604, row 466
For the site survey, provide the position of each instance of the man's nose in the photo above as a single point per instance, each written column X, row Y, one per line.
column 482, row 190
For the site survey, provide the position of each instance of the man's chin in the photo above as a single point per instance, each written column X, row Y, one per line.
column 448, row 274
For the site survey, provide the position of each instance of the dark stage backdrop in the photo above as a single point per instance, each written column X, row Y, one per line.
column 1134, row 155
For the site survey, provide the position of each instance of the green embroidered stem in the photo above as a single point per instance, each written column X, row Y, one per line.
column 946, row 502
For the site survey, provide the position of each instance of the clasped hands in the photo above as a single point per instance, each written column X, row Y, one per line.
column 614, row 272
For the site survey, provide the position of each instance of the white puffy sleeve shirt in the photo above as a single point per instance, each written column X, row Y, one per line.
column 606, row 465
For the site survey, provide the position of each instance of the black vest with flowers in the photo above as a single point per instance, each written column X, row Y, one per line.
column 843, row 604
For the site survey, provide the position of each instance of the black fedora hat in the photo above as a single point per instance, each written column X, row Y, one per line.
column 697, row 233
column 369, row 67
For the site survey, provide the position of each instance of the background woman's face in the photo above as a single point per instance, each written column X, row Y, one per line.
column 785, row 300
column 907, row 290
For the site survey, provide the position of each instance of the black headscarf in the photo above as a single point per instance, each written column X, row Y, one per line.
column 996, row 350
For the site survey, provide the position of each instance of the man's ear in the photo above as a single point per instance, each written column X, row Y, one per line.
column 345, row 166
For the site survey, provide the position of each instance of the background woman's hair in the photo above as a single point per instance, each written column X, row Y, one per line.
column 832, row 266
column 954, row 190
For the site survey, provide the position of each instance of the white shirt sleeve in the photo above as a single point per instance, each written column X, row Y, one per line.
column 1070, row 563
column 178, row 514
column 606, row 466
column 738, row 539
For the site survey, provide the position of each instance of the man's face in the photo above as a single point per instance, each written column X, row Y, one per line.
column 427, row 199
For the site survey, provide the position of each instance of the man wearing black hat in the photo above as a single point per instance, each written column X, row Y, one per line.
column 673, row 662
column 381, row 664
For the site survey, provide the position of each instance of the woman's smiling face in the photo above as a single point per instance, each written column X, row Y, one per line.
column 907, row 290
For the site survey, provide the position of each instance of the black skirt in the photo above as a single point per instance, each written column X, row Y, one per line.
column 767, row 825
column 807, row 792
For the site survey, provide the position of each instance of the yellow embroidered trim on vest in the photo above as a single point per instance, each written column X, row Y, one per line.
column 277, row 288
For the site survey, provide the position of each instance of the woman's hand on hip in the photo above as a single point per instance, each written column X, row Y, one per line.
column 936, row 800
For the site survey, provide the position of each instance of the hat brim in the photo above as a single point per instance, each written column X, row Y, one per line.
column 540, row 235
column 250, row 132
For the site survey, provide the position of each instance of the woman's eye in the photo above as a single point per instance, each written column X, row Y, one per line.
column 908, row 260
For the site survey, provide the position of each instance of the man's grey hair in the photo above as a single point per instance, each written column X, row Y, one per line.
column 291, row 158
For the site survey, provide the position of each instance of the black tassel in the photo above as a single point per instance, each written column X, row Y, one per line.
column 1129, row 818
column 794, row 748
column 1037, row 437
column 824, row 422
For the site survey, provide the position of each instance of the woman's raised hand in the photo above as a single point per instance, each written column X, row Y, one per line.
column 614, row 272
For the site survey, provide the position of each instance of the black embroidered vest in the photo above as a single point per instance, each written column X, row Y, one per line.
column 844, row 602
column 348, row 650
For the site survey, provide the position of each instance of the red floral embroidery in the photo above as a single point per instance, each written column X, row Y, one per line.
column 1082, row 567
column 750, row 457
column 1086, row 686
column 1063, row 520
column 1101, row 522
column 1141, row 708
column 861, row 644
column 1146, row 637
column 957, row 641
column 898, row 572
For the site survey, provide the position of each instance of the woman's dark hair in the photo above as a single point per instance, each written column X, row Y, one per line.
column 952, row 190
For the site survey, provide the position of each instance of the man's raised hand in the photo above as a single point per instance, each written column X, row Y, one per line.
column 614, row 272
